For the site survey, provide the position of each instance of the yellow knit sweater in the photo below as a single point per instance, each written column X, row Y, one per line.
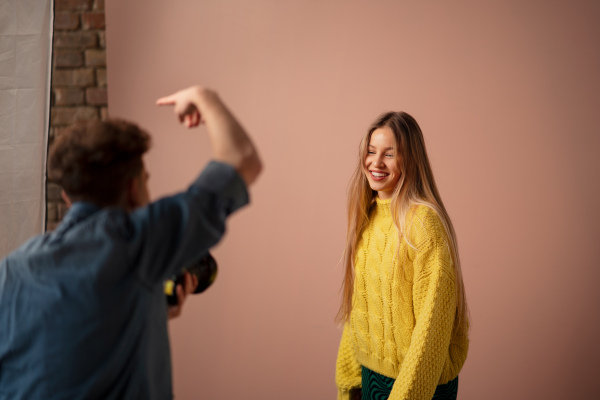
column 403, row 308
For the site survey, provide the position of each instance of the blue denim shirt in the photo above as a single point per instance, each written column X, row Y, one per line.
column 82, row 309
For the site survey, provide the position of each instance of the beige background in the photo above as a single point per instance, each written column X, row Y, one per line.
column 507, row 95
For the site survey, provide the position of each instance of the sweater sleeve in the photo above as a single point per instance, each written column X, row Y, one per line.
column 434, row 302
column 347, row 370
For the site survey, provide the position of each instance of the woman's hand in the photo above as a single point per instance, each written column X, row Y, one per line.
column 356, row 394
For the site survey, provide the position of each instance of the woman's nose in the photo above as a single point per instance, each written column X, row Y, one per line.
column 379, row 162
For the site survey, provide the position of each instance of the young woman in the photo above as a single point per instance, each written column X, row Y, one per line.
column 403, row 300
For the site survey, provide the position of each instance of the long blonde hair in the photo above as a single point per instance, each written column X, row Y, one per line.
column 415, row 187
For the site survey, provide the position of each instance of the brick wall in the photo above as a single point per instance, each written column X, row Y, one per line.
column 78, row 77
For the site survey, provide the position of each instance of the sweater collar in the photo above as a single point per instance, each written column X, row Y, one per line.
column 383, row 207
column 383, row 202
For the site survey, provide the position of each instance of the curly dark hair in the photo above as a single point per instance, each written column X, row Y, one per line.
column 93, row 161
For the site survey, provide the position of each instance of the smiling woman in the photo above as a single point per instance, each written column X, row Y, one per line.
column 404, row 307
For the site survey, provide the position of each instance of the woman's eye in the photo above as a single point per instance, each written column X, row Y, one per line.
column 370, row 152
column 389, row 155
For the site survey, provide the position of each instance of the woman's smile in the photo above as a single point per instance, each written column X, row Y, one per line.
column 378, row 175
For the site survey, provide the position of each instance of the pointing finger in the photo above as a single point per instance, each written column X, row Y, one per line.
column 167, row 100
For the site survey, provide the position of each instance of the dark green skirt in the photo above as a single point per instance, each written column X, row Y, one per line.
column 378, row 387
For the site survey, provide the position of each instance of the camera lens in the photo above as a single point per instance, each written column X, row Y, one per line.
column 205, row 270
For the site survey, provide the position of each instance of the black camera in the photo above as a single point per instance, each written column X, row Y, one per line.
column 205, row 270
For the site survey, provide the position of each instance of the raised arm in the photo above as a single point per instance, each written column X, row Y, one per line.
column 230, row 142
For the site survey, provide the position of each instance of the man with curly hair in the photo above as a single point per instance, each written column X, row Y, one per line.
column 83, row 311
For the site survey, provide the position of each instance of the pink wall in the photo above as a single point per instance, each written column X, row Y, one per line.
column 507, row 94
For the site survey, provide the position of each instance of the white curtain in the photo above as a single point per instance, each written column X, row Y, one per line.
column 25, row 71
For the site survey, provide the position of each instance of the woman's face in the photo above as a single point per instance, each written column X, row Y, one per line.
column 381, row 167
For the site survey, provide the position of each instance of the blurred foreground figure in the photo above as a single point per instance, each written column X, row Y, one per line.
column 83, row 314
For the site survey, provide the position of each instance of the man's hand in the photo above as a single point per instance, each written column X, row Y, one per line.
column 230, row 143
column 189, row 285
column 187, row 103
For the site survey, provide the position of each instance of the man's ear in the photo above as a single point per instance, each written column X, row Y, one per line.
column 65, row 198
column 133, row 194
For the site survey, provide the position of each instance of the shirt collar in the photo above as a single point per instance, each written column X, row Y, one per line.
column 78, row 212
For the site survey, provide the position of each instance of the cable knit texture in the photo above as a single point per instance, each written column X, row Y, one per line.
column 403, row 308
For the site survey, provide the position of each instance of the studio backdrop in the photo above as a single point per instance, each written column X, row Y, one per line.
column 506, row 93
column 25, row 69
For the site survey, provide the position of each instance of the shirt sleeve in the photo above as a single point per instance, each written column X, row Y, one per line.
column 347, row 370
column 175, row 231
column 434, row 302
